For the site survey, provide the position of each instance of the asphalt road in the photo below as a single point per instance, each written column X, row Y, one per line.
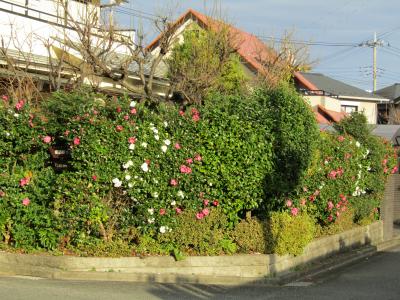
column 377, row 277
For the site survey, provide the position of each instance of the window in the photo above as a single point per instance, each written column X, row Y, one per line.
column 349, row 108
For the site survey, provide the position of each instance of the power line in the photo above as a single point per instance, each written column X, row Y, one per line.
column 308, row 43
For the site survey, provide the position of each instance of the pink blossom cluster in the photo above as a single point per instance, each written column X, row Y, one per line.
column 335, row 173
column 20, row 105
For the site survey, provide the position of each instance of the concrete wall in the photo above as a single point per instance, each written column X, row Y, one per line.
column 391, row 208
column 327, row 102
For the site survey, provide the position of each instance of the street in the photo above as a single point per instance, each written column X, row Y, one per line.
column 377, row 277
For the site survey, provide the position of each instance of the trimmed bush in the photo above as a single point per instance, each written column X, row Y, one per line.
column 289, row 234
column 250, row 235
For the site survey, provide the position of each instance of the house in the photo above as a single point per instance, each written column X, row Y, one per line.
column 251, row 50
column 339, row 97
column 40, row 38
column 389, row 112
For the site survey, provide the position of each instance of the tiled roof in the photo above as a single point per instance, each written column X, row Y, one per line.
column 338, row 88
column 326, row 116
column 251, row 49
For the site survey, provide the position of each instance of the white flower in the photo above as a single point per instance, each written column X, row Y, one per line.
column 117, row 182
column 150, row 220
column 155, row 195
column 210, row 184
column 164, row 148
column 358, row 144
column 145, row 167
column 163, row 229
column 130, row 185
column 157, row 137
column 167, row 142
column 173, row 203
column 150, row 211
column 132, row 104
column 165, row 124
column 8, row 134
column 131, row 146
column 144, row 145
column 128, row 177
column 180, row 194
column 136, row 177
column 128, row 164
column 155, row 130
column 16, row 115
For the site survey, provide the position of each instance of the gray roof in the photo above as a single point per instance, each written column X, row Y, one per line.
column 391, row 92
column 338, row 88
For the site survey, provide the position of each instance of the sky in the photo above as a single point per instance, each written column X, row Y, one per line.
column 344, row 23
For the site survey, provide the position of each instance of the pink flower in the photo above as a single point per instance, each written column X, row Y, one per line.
column 337, row 214
column 330, row 218
column 177, row 146
column 395, row 169
column 77, row 141
column 178, row 210
column 189, row 161
column 303, row 202
column 347, row 155
column 185, row 169
column 385, row 170
column 20, row 104
column 126, row 117
column 205, row 212
column 289, row 203
column 181, row 113
column 148, row 162
column 199, row 216
column 26, row 201
column 94, row 177
column 343, row 197
column 119, row 109
column 198, row 157
column 173, row 182
column 330, row 205
column 162, row 211
column 215, row 203
column 312, row 198
column 196, row 118
column 294, row 211
column 205, row 202
column 95, row 112
column 132, row 140
column 2, row 194
column 340, row 138
column 46, row 139
column 66, row 132
column 5, row 98
column 119, row 128
column 332, row 174
column 133, row 111
column 24, row 181
column 384, row 162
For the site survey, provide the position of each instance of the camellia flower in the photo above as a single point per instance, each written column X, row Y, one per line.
column 178, row 210
column 303, row 202
column 189, row 161
column 24, row 181
column 157, row 137
column 173, row 203
column 162, row 211
column 198, row 157
column 2, row 193
column 196, row 118
column 164, row 148
column 126, row 117
column 167, row 142
column 132, row 104
column 119, row 128
column 294, row 211
column 4, row 98
column 20, row 104
column 330, row 218
column 154, row 194
column 133, row 111
column 26, row 201
column 46, row 139
column 66, row 132
column 118, row 109
column 144, row 145
column 330, row 205
column 150, row 220
column 145, row 167
column 185, row 169
column 163, row 229
column 128, row 164
column 76, row 141
column 94, row 177
column 340, row 138
column 205, row 202
column 215, row 203
column 150, row 211
column 199, row 216
column 181, row 113
column 131, row 146
column 177, row 146
column 358, row 144
column 117, row 182
column 289, row 203
column 132, row 140
column 173, row 182
column 205, row 212
column 128, row 177
column 180, row 194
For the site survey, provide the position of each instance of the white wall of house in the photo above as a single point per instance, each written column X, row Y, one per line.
column 369, row 108
column 325, row 101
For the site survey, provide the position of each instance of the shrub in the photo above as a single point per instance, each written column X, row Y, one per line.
column 295, row 135
column 250, row 235
column 289, row 234
column 191, row 235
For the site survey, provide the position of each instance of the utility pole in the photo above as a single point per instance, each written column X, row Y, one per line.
column 373, row 44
